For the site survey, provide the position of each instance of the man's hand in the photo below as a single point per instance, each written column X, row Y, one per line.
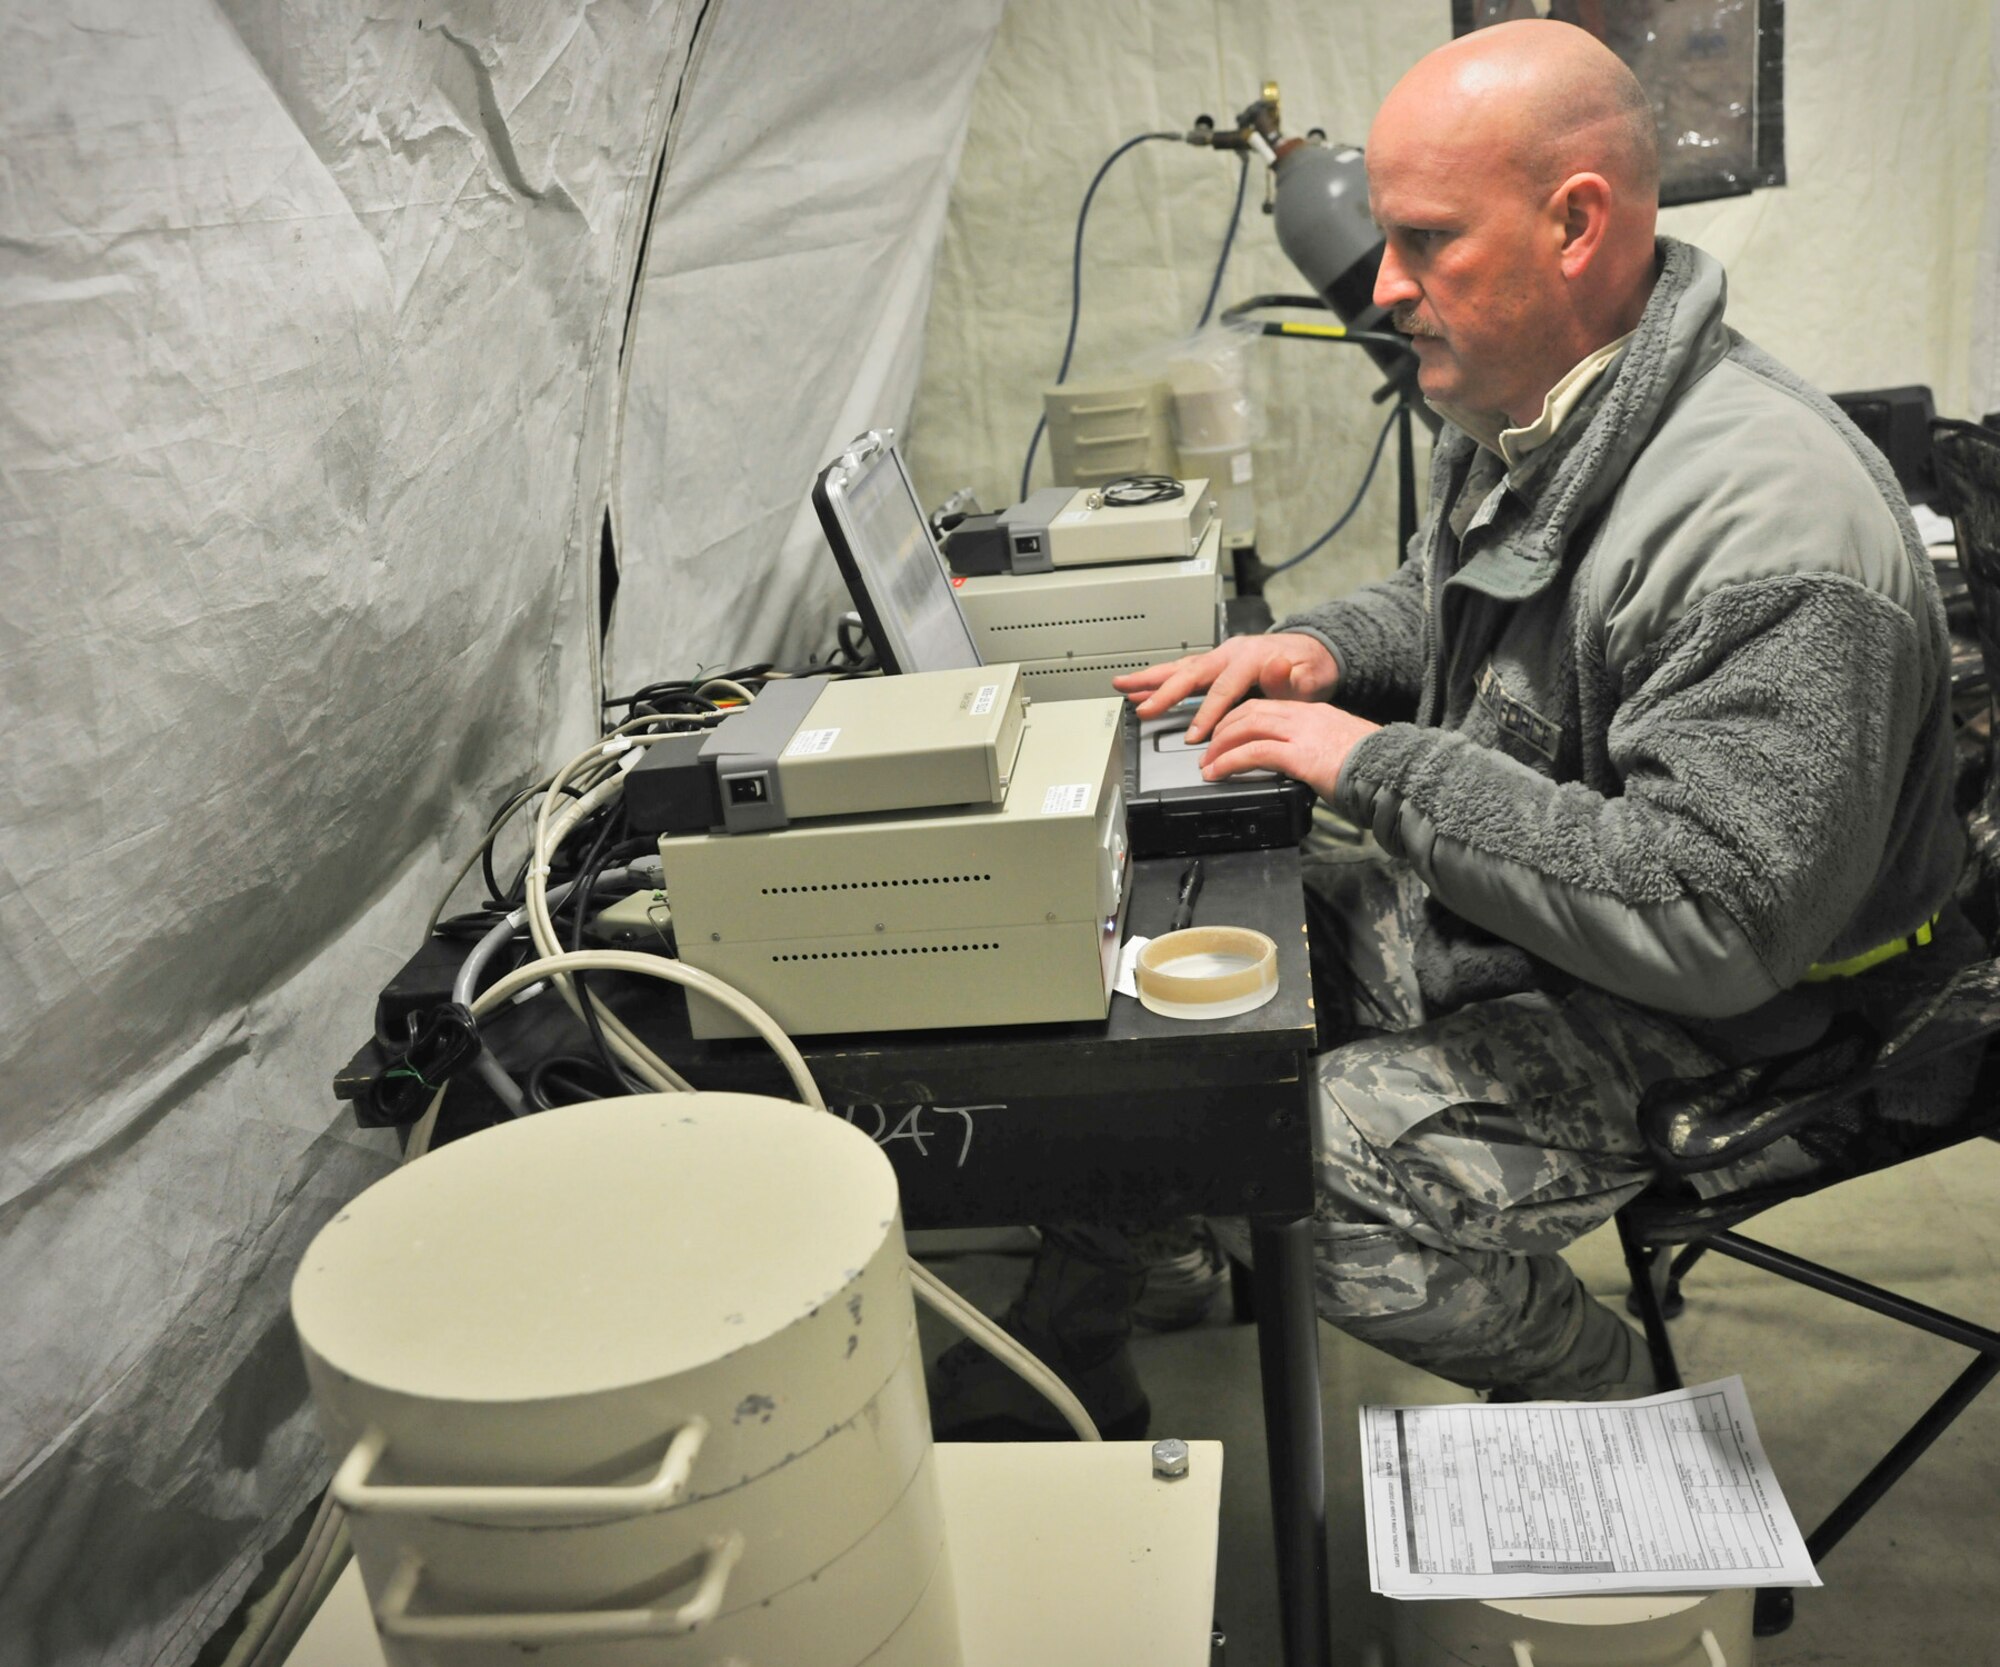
column 1308, row 743
column 1283, row 665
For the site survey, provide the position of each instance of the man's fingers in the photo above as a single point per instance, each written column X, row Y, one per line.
column 1264, row 753
column 1231, row 685
column 1145, row 679
column 1157, row 688
column 1178, row 684
column 1250, row 720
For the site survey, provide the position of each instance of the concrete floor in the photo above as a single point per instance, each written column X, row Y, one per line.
column 1917, row 1584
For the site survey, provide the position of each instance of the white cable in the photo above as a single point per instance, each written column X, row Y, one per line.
column 936, row 1294
column 950, row 1306
column 733, row 688
column 549, row 834
column 263, row 1639
column 674, row 972
column 504, row 1087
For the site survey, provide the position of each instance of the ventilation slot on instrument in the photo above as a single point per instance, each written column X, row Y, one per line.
column 879, row 885
column 1069, row 666
column 1080, row 619
column 875, row 954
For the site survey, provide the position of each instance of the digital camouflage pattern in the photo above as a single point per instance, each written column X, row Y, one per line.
column 1459, row 1155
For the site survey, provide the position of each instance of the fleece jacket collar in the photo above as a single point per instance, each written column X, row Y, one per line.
column 1679, row 340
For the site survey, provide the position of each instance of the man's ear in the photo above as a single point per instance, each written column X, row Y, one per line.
column 1584, row 203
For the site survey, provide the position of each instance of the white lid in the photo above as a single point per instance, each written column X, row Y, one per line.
column 594, row 1247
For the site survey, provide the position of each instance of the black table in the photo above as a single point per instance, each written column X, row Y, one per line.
column 1136, row 1120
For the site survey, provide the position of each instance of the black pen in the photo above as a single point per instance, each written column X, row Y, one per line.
column 1184, row 904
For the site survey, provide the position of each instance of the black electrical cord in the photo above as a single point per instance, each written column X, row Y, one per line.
column 592, row 866
column 1347, row 514
column 470, row 926
column 853, row 643
column 581, row 1078
column 665, row 700
column 496, row 899
column 1257, row 303
column 678, row 696
column 1076, row 282
column 1135, row 491
column 1229, row 237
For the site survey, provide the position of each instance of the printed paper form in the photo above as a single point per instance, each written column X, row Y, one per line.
column 1559, row 1498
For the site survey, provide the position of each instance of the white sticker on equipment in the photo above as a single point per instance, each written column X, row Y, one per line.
column 1071, row 518
column 811, row 741
column 982, row 702
column 1066, row 801
column 1239, row 467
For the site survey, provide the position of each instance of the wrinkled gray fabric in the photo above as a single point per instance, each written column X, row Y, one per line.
column 1670, row 699
column 316, row 322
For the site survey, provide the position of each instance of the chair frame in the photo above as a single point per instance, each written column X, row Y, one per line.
column 1656, row 1268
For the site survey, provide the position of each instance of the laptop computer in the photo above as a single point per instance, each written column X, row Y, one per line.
column 902, row 589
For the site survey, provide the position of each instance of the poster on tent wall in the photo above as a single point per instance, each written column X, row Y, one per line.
column 1715, row 74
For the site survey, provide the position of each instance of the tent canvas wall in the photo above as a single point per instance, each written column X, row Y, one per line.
column 315, row 326
column 329, row 338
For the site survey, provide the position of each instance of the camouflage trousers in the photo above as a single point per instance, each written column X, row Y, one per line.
column 1459, row 1155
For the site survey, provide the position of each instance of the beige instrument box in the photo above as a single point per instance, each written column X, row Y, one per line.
column 1075, row 628
column 987, row 914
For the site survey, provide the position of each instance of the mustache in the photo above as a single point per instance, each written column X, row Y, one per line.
column 1405, row 319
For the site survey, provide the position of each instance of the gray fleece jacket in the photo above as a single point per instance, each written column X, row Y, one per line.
column 1666, row 709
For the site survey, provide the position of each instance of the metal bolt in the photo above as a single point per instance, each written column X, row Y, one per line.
column 715, row 937
column 1170, row 1459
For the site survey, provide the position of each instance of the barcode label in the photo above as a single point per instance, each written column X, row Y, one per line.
column 1066, row 801
column 982, row 703
column 811, row 741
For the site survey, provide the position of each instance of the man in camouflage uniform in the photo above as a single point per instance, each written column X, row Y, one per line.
column 1651, row 732
column 1652, row 726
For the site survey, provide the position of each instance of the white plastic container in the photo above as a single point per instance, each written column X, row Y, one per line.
column 1674, row 1629
column 632, row 1382
column 1230, row 474
column 1211, row 406
column 1112, row 426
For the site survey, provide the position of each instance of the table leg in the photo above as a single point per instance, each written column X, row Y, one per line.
column 1288, row 1355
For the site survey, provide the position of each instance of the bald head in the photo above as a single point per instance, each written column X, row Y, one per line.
column 1548, row 98
column 1515, row 173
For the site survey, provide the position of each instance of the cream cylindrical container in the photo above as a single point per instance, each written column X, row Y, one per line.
column 631, row 1382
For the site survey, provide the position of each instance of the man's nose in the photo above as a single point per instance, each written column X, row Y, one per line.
column 1393, row 285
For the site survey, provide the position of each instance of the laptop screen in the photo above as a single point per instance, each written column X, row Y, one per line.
column 891, row 564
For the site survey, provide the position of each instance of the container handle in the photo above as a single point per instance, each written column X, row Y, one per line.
column 577, row 1626
column 1524, row 1655
column 1114, row 408
column 355, row 1493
